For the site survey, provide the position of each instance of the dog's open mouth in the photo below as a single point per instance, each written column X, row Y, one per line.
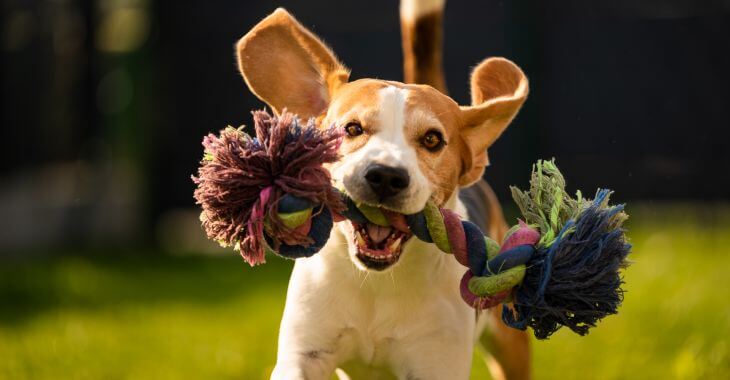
column 378, row 247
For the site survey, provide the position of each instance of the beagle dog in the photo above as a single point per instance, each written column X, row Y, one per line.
column 376, row 302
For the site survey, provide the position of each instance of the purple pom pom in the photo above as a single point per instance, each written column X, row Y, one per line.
column 241, row 179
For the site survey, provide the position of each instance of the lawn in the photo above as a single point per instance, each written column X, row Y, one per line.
column 151, row 316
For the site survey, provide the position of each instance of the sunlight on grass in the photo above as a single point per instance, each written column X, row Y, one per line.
column 674, row 322
column 151, row 317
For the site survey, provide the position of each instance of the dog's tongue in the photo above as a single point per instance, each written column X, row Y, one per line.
column 377, row 233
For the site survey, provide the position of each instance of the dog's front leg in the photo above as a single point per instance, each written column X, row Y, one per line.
column 302, row 368
column 307, row 349
column 313, row 336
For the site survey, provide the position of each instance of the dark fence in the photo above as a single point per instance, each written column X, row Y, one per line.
column 104, row 103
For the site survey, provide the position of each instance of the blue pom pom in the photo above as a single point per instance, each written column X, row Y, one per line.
column 320, row 233
column 574, row 282
column 417, row 224
column 476, row 247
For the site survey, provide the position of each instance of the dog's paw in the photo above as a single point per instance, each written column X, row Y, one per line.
column 284, row 372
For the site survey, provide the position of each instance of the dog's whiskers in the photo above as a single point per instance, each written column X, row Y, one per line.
column 367, row 273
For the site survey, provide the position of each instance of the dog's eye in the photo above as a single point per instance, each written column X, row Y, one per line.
column 353, row 129
column 433, row 141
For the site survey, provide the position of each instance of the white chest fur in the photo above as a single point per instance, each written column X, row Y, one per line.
column 410, row 318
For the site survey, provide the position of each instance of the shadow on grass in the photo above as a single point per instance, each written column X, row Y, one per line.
column 113, row 281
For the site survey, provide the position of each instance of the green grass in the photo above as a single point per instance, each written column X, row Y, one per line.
column 118, row 316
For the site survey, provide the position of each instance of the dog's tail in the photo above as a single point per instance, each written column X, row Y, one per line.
column 422, row 32
column 421, row 24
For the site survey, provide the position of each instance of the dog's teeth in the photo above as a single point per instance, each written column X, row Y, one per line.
column 396, row 244
column 360, row 240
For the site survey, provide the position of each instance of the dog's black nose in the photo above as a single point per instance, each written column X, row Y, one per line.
column 386, row 181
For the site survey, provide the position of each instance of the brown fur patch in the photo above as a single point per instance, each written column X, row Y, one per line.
column 425, row 109
column 287, row 66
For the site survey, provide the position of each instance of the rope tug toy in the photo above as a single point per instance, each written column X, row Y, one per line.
column 559, row 267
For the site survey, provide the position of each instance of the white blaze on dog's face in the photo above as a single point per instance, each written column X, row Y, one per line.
column 404, row 145
column 394, row 146
column 380, row 162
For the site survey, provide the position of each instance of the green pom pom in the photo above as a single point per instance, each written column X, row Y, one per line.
column 547, row 205
column 491, row 285
column 295, row 219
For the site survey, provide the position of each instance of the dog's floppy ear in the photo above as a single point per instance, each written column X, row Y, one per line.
column 287, row 66
column 498, row 89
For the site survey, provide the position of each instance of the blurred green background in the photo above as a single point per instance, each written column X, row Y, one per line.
column 105, row 272
column 124, row 315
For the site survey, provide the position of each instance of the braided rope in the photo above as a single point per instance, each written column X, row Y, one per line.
column 273, row 193
column 492, row 273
